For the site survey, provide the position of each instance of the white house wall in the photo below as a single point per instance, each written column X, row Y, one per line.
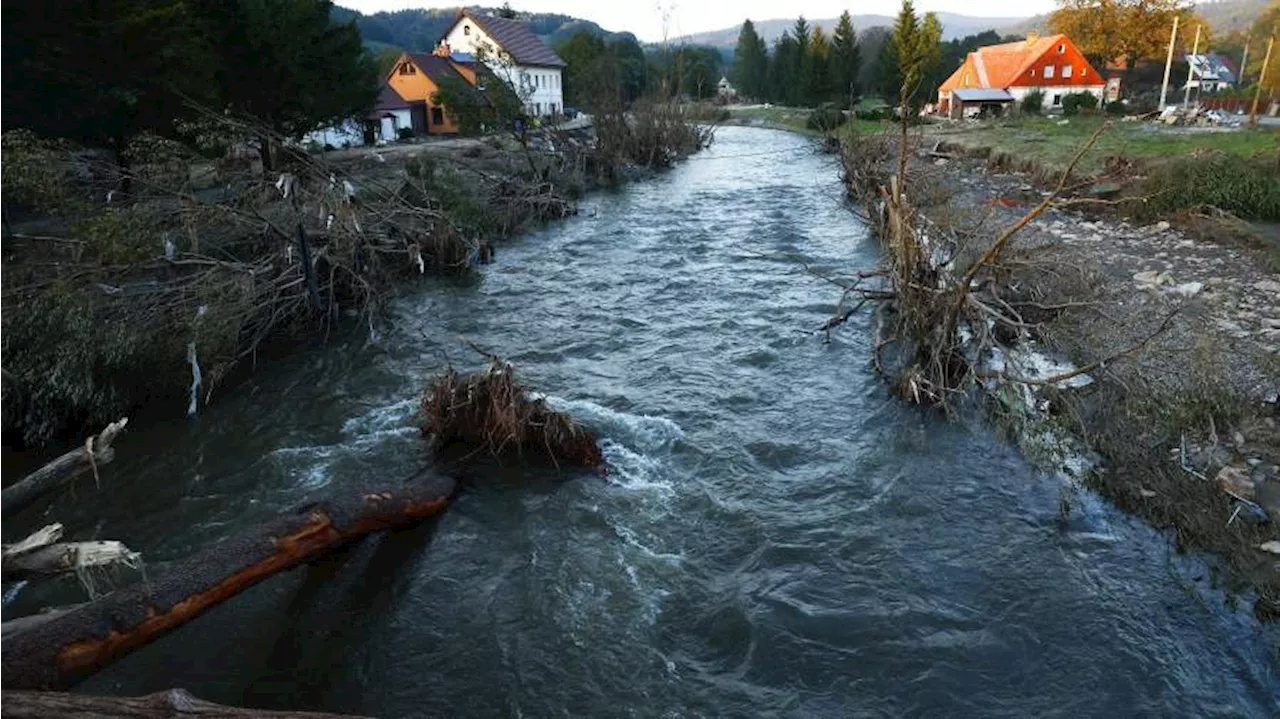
column 1049, row 91
column 541, row 87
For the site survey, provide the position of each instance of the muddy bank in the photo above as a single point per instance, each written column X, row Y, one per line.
column 1180, row 430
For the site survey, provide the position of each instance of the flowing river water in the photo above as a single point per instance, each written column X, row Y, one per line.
column 777, row 537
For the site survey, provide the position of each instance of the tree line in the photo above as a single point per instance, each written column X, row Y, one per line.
column 806, row 67
column 623, row 67
column 103, row 71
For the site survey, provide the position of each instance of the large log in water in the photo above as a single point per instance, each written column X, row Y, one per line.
column 56, row 653
column 161, row 705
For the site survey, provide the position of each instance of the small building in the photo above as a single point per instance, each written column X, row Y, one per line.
column 725, row 89
column 514, row 54
column 1211, row 72
column 969, row 102
column 391, row 113
column 1051, row 64
column 415, row 78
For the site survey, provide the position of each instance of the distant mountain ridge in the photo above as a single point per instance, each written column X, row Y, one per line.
column 418, row 30
column 953, row 26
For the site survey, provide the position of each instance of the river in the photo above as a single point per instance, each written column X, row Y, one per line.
column 777, row 537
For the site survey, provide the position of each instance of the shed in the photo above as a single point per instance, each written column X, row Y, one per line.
column 975, row 101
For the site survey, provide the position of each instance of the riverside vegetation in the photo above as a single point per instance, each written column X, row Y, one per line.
column 1016, row 289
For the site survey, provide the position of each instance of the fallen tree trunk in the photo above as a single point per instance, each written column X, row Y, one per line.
column 161, row 705
column 95, row 451
column 57, row 653
column 41, row 554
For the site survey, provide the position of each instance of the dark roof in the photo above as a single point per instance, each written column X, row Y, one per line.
column 389, row 99
column 517, row 39
column 436, row 67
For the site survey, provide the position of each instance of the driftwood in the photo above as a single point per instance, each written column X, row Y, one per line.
column 42, row 554
column 161, row 705
column 95, row 451
column 56, row 653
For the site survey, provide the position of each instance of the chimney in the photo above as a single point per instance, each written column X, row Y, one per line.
column 443, row 50
column 1032, row 35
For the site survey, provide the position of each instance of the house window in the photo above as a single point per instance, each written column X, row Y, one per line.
column 1048, row 71
column 407, row 69
column 1032, row 71
column 1062, row 49
column 1066, row 71
column 466, row 29
column 437, row 116
column 1057, row 100
column 537, row 108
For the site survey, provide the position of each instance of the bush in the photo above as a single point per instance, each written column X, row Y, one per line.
column 1033, row 102
column 1073, row 103
column 405, row 133
column 1117, row 108
column 825, row 118
column 1244, row 187
column 875, row 114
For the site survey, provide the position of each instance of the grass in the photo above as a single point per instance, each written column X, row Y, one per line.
column 1044, row 140
column 793, row 119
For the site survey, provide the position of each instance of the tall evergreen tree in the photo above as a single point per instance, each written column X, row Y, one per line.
column 750, row 62
column 801, row 32
column 816, row 72
column 845, row 59
column 782, row 70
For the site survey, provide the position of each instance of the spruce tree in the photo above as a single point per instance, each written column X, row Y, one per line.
column 750, row 62
column 845, row 59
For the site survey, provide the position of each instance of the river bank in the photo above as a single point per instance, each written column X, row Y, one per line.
column 1178, row 424
column 128, row 289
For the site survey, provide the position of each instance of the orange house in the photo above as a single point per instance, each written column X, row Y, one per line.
column 416, row 77
column 999, row 75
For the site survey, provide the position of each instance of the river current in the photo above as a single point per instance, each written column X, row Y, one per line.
column 777, row 536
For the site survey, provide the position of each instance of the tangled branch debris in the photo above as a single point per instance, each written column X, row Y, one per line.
column 491, row 411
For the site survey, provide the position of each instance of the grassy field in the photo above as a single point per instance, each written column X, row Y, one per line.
column 1051, row 144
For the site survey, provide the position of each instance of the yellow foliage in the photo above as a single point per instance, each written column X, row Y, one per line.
column 1266, row 26
column 1127, row 30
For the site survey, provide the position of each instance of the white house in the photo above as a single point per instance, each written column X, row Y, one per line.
column 513, row 53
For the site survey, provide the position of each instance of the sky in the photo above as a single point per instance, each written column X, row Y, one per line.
column 644, row 17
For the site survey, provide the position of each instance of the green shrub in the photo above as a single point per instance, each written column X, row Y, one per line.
column 825, row 118
column 405, row 133
column 1117, row 108
column 1244, row 187
column 1073, row 103
column 1033, row 102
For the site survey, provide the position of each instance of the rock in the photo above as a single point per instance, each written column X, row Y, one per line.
column 1160, row 226
column 1235, row 482
column 1153, row 277
column 1238, row 438
column 1271, row 323
column 1273, row 547
column 1188, row 289
column 1269, row 286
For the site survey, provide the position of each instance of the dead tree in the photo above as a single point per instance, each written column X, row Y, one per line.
column 58, row 473
column 56, row 653
column 160, row 705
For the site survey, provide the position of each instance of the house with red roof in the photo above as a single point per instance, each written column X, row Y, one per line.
column 997, row 76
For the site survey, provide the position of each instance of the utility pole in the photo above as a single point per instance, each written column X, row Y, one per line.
column 1168, row 62
column 1244, row 62
column 1191, row 71
column 1262, row 76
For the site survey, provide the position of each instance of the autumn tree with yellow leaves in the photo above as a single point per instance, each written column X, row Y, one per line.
column 1125, row 30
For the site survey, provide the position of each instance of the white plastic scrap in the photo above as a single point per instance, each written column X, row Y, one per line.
column 285, row 184
column 170, row 249
column 350, row 189
column 195, row 379
column 415, row 258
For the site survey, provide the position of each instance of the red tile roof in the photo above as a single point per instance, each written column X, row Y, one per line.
column 999, row 66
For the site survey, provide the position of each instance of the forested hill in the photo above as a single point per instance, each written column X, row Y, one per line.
column 418, row 30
